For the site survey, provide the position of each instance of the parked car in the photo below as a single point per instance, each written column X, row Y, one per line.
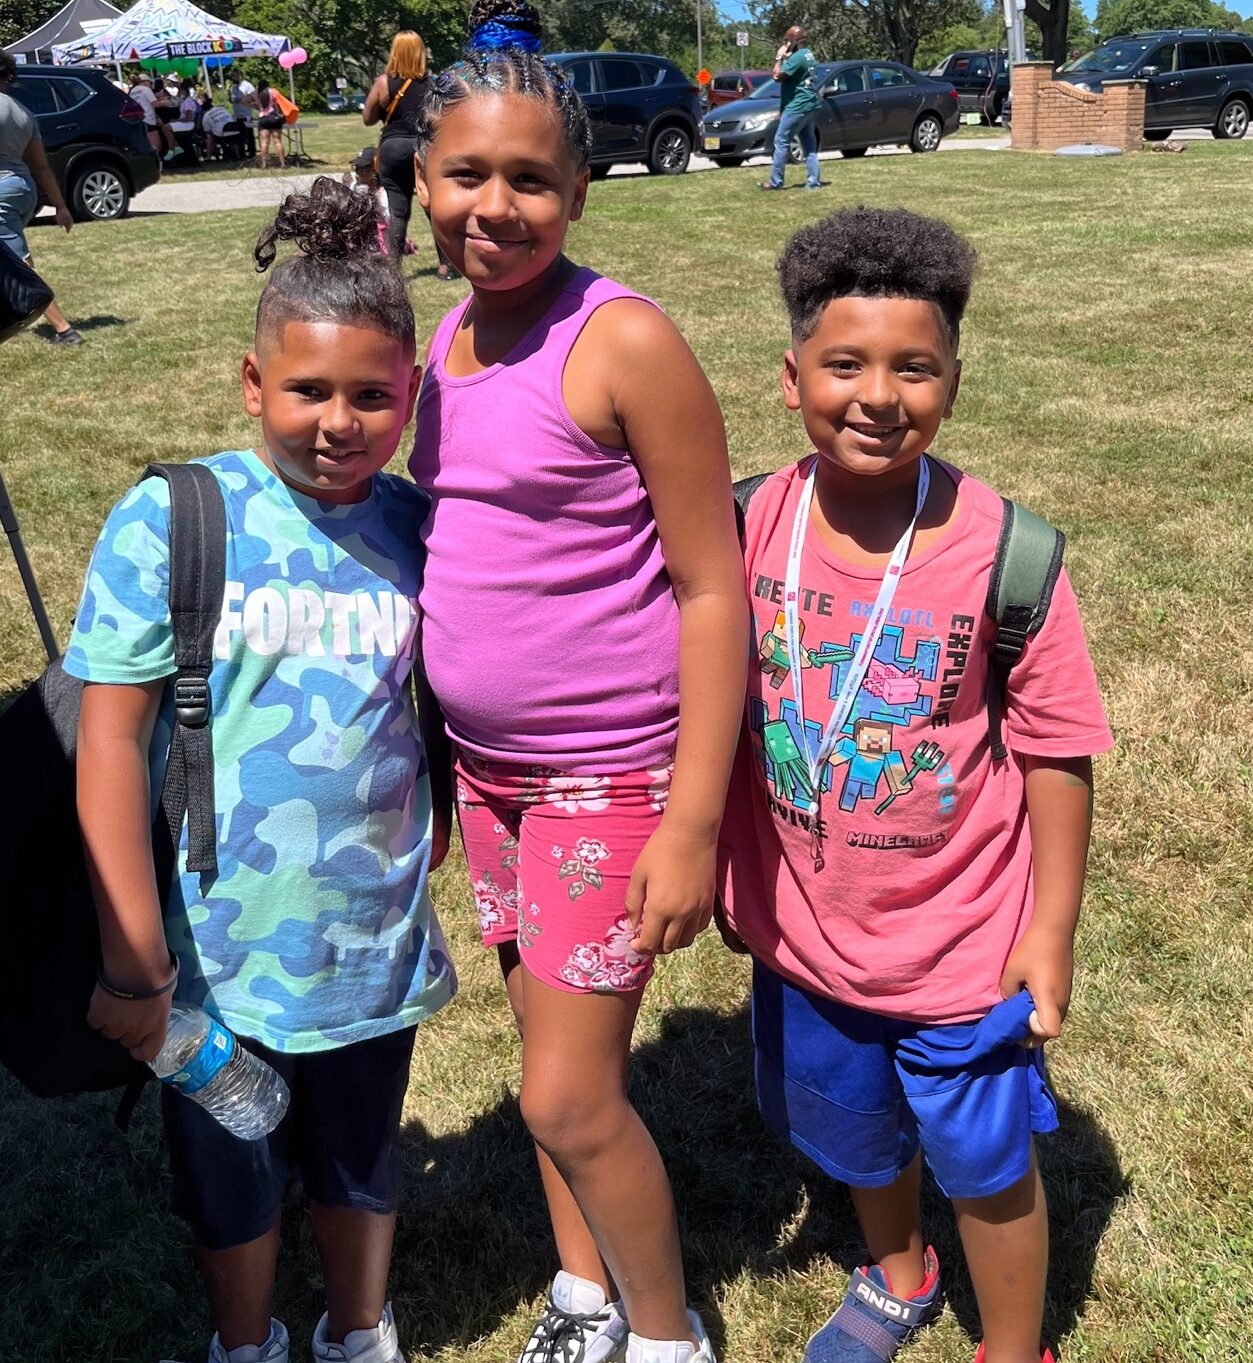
column 642, row 108
column 864, row 104
column 728, row 86
column 1195, row 78
column 94, row 136
column 344, row 101
column 981, row 79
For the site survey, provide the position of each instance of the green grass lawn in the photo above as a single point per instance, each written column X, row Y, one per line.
column 1106, row 385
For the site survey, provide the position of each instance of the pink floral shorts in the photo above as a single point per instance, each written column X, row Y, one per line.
column 550, row 858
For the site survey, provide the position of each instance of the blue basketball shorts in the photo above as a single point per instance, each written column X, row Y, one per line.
column 860, row 1093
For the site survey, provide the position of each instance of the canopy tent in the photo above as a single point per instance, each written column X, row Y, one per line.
column 161, row 30
column 68, row 25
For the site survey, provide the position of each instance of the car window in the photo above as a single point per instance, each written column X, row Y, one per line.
column 1113, row 57
column 726, row 82
column 883, row 77
column 1195, row 56
column 70, row 93
column 579, row 74
column 1163, row 59
column 850, row 81
column 939, row 70
column 979, row 66
column 1235, row 54
column 619, row 74
column 35, row 93
column 961, row 65
column 651, row 73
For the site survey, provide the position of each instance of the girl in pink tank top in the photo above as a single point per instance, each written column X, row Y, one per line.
column 584, row 628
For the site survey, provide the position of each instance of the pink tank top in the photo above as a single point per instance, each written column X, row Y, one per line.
column 550, row 631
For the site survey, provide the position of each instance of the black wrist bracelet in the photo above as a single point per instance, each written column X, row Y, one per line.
column 138, row 995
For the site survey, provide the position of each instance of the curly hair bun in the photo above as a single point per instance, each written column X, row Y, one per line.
column 331, row 222
column 497, row 24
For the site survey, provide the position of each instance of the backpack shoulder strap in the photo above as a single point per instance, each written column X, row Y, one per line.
column 1024, row 573
column 197, row 581
column 743, row 494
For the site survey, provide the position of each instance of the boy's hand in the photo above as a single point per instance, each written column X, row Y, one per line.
column 671, row 895
column 1043, row 963
column 139, row 1025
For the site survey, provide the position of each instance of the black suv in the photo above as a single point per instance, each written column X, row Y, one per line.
column 1195, row 78
column 981, row 79
column 93, row 135
column 642, row 108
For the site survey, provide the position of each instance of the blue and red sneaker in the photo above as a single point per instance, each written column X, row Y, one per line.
column 871, row 1323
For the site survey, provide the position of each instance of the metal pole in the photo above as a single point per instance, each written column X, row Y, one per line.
column 700, row 47
column 291, row 84
column 9, row 522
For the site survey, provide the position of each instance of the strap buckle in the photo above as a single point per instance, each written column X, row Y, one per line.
column 1010, row 643
column 191, row 701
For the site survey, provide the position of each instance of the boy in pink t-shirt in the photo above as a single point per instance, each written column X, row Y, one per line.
column 910, row 901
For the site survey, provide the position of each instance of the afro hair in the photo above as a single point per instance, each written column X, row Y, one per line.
column 875, row 253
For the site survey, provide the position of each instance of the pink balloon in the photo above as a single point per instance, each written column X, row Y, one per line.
column 286, row 60
column 299, row 55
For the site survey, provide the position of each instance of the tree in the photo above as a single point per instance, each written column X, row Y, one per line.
column 20, row 17
column 1053, row 21
column 1137, row 16
column 868, row 28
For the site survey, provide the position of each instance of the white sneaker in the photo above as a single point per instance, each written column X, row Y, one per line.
column 274, row 1350
column 641, row 1350
column 578, row 1326
column 380, row 1345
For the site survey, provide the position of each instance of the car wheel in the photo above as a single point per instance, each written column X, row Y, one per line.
column 670, row 152
column 600, row 171
column 728, row 162
column 1233, row 120
column 927, row 134
column 1157, row 134
column 99, row 193
column 852, row 153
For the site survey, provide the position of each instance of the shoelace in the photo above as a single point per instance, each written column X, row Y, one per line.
column 559, row 1336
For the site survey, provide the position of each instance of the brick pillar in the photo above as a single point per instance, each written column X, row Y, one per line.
column 1026, row 80
column 1124, row 124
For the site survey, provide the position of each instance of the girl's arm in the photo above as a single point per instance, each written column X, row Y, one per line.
column 438, row 748
column 1059, row 813
column 671, row 422
column 114, row 803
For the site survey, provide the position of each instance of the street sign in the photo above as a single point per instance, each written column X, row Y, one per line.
column 704, row 76
column 741, row 39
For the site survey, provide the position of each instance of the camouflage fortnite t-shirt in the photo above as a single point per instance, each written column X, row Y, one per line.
column 317, row 930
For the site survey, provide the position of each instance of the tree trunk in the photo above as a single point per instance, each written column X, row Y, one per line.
column 1053, row 21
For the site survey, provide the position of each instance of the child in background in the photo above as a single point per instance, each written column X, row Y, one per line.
column 910, row 902
column 583, row 630
column 316, row 944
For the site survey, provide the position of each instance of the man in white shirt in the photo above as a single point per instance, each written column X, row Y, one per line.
column 159, row 135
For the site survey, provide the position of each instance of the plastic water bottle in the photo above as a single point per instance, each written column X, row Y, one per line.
column 204, row 1062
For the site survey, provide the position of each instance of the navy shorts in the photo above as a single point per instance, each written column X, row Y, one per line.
column 860, row 1093
column 341, row 1136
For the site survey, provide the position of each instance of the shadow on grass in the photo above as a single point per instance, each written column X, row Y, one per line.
column 110, row 1277
column 99, row 322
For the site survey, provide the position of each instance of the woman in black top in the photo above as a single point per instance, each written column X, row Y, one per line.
column 395, row 100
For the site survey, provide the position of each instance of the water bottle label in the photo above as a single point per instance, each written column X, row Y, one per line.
column 213, row 1055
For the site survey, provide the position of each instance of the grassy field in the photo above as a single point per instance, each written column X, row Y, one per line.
column 1106, row 385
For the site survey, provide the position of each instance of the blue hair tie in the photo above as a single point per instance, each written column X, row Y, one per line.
column 493, row 36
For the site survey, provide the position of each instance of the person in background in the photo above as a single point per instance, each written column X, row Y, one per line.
column 24, row 175
column 219, row 127
column 395, row 100
column 160, row 138
column 270, row 124
column 243, row 98
column 794, row 69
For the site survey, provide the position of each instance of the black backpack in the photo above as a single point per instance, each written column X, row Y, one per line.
column 49, row 942
column 1024, row 572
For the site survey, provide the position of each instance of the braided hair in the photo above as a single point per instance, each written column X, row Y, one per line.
column 502, row 57
column 337, row 274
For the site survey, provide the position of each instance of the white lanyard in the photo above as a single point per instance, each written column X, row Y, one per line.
column 869, row 640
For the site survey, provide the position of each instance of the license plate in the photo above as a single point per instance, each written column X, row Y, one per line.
column 713, row 143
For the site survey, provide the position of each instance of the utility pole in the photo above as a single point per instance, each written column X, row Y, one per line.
column 700, row 47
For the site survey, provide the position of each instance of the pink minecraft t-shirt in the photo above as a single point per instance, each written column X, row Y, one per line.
column 926, row 881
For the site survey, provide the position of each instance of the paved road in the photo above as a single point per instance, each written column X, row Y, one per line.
column 178, row 195
column 185, row 195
